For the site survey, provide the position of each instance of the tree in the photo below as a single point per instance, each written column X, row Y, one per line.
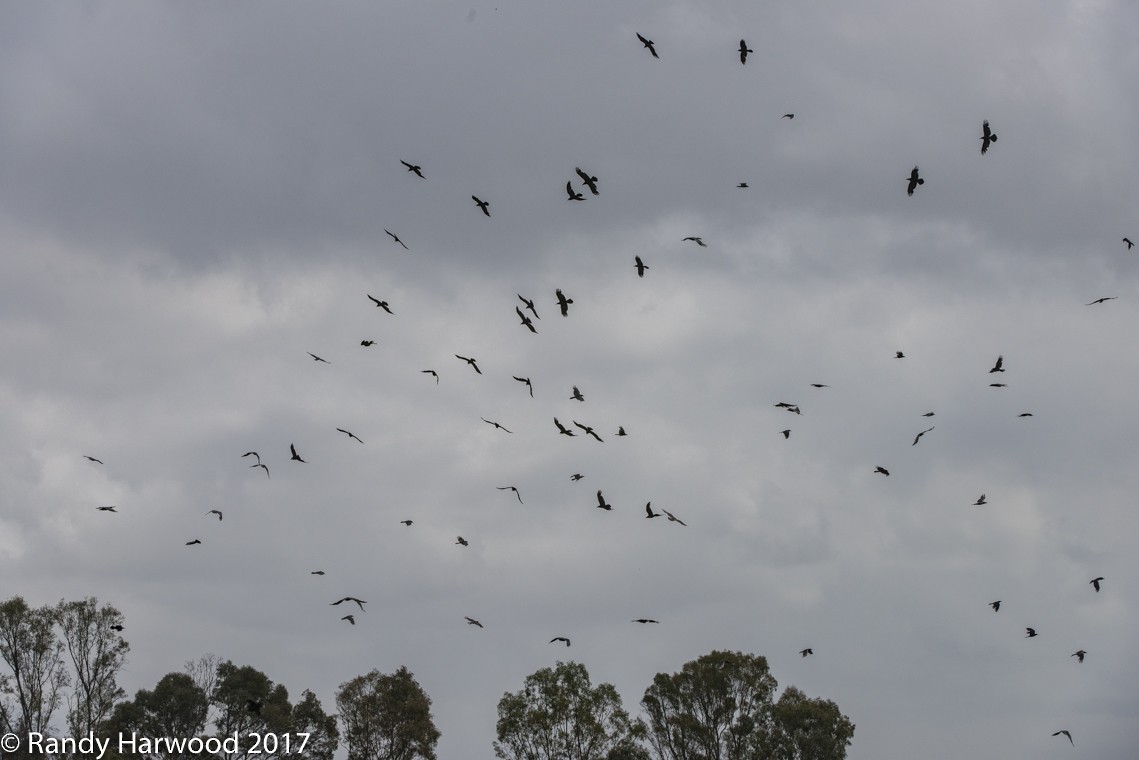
column 97, row 654
column 247, row 700
column 719, row 707
column 558, row 715
column 309, row 717
column 176, row 709
column 386, row 717
column 34, row 656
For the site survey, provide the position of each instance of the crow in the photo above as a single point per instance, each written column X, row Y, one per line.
column 1079, row 655
column 601, row 503
column 1029, row 633
column 805, row 652
column 560, row 638
column 883, row 471
column 577, row 395
column 1095, row 583
column 462, row 542
column 996, row 605
column 999, row 366
column 786, row 433
column 649, row 513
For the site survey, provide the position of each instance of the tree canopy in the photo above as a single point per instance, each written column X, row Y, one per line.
column 386, row 717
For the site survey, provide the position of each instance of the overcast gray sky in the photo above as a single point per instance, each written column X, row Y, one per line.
column 193, row 196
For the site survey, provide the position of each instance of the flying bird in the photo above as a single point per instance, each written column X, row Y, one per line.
column 928, row 414
column 914, row 181
column 367, row 343
column 988, row 137
column 601, row 503
column 526, row 321
column 577, row 395
column 980, row 502
column 1079, row 655
column 697, row 240
column 431, row 372
column 359, row 602
column 117, row 627
column 348, row 433
column 786, row 433
column 999, row 366
column 560, row 638
column 482, row 204
column 996, row 605
column 530, row 306
column 621, row 431
column 406, row 522
column 107, row 509
column 317, row 358
column 1129, row 243
column 645, row 620
column 574, row 195
column 648, row 44
column 1095, row 583
column 395, row 237
column 525, row 380
column 576, row 476
column 1065, row 733
column 263, row 467
column 496, row 425
column 1101, row 300
column 215, row 512
column 919, row 435
column 317, row 572
column 468, row 361
column 882, row 470
column 649, row 513
column 807, row 651
column 899, row 355
column 1024, row 414
column 195, row 541
column 563, row 302
column 462, row 542
column 417, row 170
column 472, row 621
column 380, row 304
column 93, row 459
column 819, row 385
column 640, row 266
column 511, row 488
column 587, row 180
column 350, row 618
column 588, row 430
column 1029, row 633
column 562, row 428
column 788, row 116
column 998, row 385
column 673, row 518
column 744, row 50
column 296, row 457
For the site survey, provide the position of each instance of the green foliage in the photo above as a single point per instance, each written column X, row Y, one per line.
column 98, row 653
column 176, row 708
column 309, row 717
column 558, row 715
column 37, row 674
column 235, row 687
column 809, row 729
column 386, row 717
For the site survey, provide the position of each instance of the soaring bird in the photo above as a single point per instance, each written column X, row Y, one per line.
column 1079, row 655
column 919, row 435
column 359, row 602
column 367, row 343
column 562, row 428
column 482, row 204
column 577, row 395
column 406, row 522
column 1129, row 243
column 462, row 542
column 899, row 355
column 980, row 502
column 1024, row 414
column 395, row 237
column 601, row 503
column 317, row 572
column 673, row 518
column 588, row 430
column 380, row 304
column 107, row 509
column 928, row 414
column 431, row 372
column 587, row 180
column 649, row 513
column 819, row 385
column 788, row 116
column 999, row 366
column 511, row 488
column 1065, row 733
column 576, row 476
column 263, row 467
column 1095, row 583
column 525, row 380
column 563, row 302
column 786, row 433
column 317, row 358
column 648, row 44
column 472, row 621
column 349, row 434
column 1029, row 633
column 350, row 618
column 418, row 170
column 998, row 385
column 882, row 470
column 697, row 240
column 645, row 620
column 574, row 195
column 194, row 542
column 215, row 512
column 296, row 457
column 744, row 50
column 805, row 652
column 93, row 459
column 621, row 431
column 996, row 605
column 988, row 137
column 743, row 185
column 1101, row 300
column 526, row 321
column 640, row 266
column 914, row 180
column 530, row 306
column 560, row 638
column 470, row 362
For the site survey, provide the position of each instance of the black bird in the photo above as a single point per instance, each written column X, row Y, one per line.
column 406, row 522
column 673, row 518
column 359, row 602
column 645, row 620
column 215, row 512
column 744, row 50
column 1101, row 300
column 1129, row 243
column 899, row 355
column 882, row 470
column 1079, row 655
column 431, row 372
column 786, row 433
column 697, row 240
column 980, row 502
column 526, row 321
column 93, row 459
column 819, row 385
column 807, row 651
column 928, row 414
column 573, row 194
column 1065, row 733
column 107, row 509
column 253, row 706
column 1024, row 414
column 640, row 266
column 649, row 45
column 496, row 425
column 468, row 361
column 317, row 358
column 462, row 542
column 350, row 618
column 996, row 605
column 621, row 431
column 1095, row 583
column 117, row 627
column 576, row 476
column 1029, row 633
column 999, row 366
column 788, row 116
column 986, row 138
column 317, row 572
column 528, row 383
column 263, row 467
column 587, row 180
column 530, row 306
column 560, row 638
column 482, row 204
column 588, row 430
column 511, row 488
column 296, row 457
column 649, row 513
column 914, row 181
column 577, row 395
column 743, row 184
column 195, row 541
column 367, row 343
column 472, row 621
column 919, row 435
column 395, row 237
column 563, row 302
column 349, row 434
column 413, row 168
column 380, row 304
column 998, row 385
column 601, row 503
column 562, row 428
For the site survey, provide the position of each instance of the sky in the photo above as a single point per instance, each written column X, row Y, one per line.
column 194, row 197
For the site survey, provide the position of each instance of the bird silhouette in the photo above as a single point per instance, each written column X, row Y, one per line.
column 560, row 638
column 1101, row 300
column 999, row 366
column 472, row 621
column 359, row 602
column 470, row 362
column 640, row 266
column 484, row 205
column 576, row 476
column 93, row 459
column 117, row 627
column 107, row 509
column 496, row 425
column 462, row 542
column 563, row 302
column 1095, row 583
column 588, row 430
column 406, row 522
column 1065, row 733
column 899, row 355
column 645, row 620
column 998, row 385
column 433, row 373
column 417, row 170
column 525, row 380
column 577, row 395
column 1025, row 414
column 296, row 457
column 574, row 195
column 996, row 605
column 673, row 518
column 263, row 467
column 649, row 513
column 526, row 321
column 928, row 414
column 988, row 137
column 1029, row 633
column 367, row 343
column 529, row 305
column 882, row 470
column 788, row 116
column 786, row 433
column 621, row 431
column 215, row 512
column 1079, row 655
column 317, row 572
column 919, row 435
column 349, row 434
column 980, row 502
column 562, row 428
column 649, row 44
column 317, row 358
column 1129, row 243
column 350, row 618
column 194, row 542
column 819, row 385
column 697, row 240
column 914, row 180
column 744, row 50
column 805, row 652
column 511, row 488
column 601, row 503
column 587, row 180
column 395, row 237
column 380, row 304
